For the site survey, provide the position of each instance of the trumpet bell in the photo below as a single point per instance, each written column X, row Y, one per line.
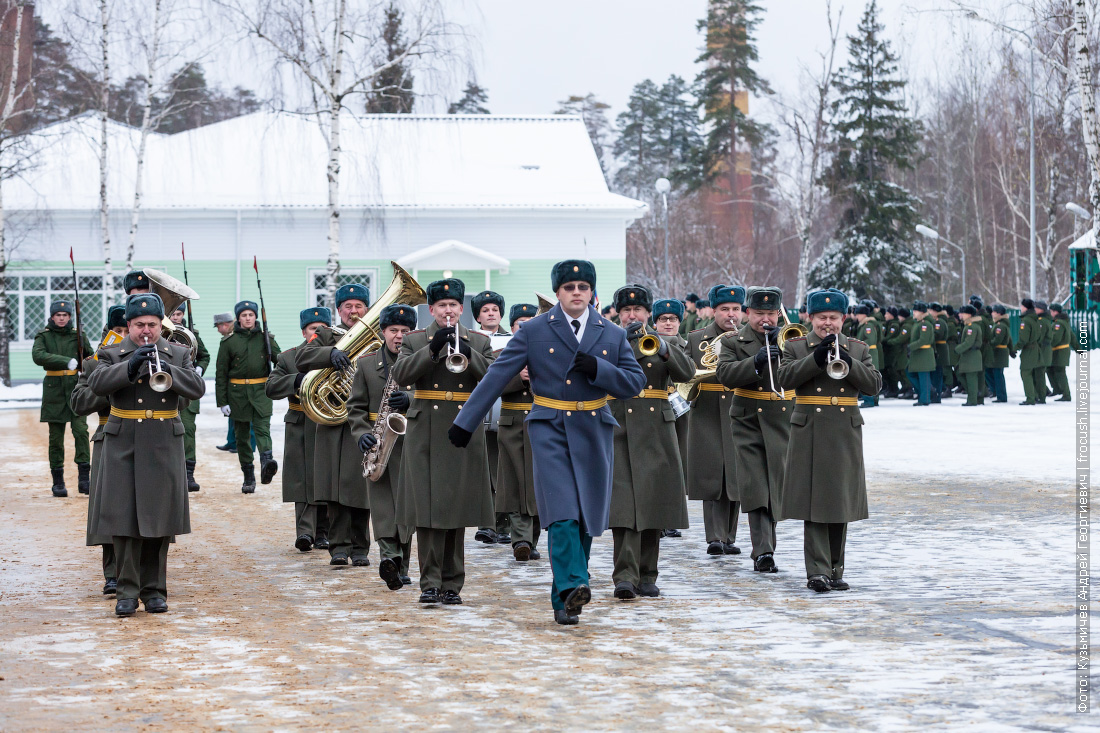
column 456, row 363
column 160, row 381
column 836, row 369
column 649, row 344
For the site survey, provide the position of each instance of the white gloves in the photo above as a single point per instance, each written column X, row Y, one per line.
column 198, row 370
column 72, row 364
column 225, row 410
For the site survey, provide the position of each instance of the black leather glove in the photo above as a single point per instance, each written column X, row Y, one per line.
column 298, row 380
column 399, row 401
column 464, row 348
column 845, row 357
column 440, row 340
column 366, row 442
column 586, row 364
column 662, row 350
column 760, row 361
column 339, row 359
column 821, row 353
column 773, row 333
column 459, row 437
column 634, row 331
column 142, row 355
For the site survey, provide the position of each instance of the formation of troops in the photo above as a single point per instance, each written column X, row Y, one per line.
column 559, row 421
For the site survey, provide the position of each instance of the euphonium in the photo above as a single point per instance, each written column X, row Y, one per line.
column 325, row 392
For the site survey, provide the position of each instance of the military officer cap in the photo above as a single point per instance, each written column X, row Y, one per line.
column 1027, row 304
column 920, row 305
column 691, row 298
column 998, row 308
column 720, row 294
column 969, row 310
column 829, row 299
column 397, row 315
column 1056, row 307
column 1040, row 305
column 484, row 298
column 181, row 308
column 134, row 279
column 667, row 306
column 352, row 291
column 935, row 307
column 450, row 288
column 702, row 303
column 521, row 310
column 904, row 312
column 223, row 318
column 573, row 270
column 61, row 306
column 318, row 314
column 870, row 303
column 893, row 310
column 632, row 294
column 949, row 309
column 116, row 316
column 863, row 310
column 143, row 304
column 764, row 298
column 802, row 308
column 975, row 301
column 246, row 305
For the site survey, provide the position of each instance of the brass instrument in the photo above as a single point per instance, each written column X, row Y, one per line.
column 159, row 379
column 389, row 426
column 835, row 367
column 789, row 330
column 456, row 362
column 648, row 343
column 325, row 392
column 172, row 292
column 545, row 304
column 771, row 371
column 708, row 368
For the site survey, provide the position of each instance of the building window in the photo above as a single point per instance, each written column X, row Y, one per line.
column 29, row 295
column 318, row 279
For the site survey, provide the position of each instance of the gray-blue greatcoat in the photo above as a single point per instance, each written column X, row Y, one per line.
column 572, row 449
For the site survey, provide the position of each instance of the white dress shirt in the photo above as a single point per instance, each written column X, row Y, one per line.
column 583, row 318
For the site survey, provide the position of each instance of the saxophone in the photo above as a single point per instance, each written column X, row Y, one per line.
column 389, row 426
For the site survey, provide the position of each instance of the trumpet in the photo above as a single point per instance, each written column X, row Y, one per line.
column 835, row 367
column 771, row 370
column 159, row 379
column 648, row 343
column 456, row 361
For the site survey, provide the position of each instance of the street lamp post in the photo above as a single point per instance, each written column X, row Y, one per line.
column 933, row 234
column 663, row 186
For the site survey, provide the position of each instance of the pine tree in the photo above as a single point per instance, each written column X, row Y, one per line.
column 392, row 91
column 473, row 101
column 636, row 145
column 872, row 253
column 594, row 114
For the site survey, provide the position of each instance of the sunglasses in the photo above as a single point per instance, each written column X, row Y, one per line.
column 579, row 287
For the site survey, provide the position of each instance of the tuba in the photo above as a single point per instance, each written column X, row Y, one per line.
column 545, row 304
column 172, row 292
column 325, row 392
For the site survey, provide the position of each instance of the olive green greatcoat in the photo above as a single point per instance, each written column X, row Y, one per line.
column 952, row 339
column 690, row 322
column 444, row 487
column 647, row 487
column 337, row 461
column 241, row 355
column 366, row 398
column 987, row 339
column 515, row 469
column 142, row 484
column 1060, row 341
column 922, row 352
column 969, row 347
column 710, row 466
column 202, row 359
column 941, row 346
column 53, row 349
column 761, row 427
column 1001, row 343
column 1045, row 334
column 825, row 480
column 1027, row 341
column 889, row 347
column 900, row 342
column 86, row 402
column 299, row 433
column 682, row 421
column 871, row 334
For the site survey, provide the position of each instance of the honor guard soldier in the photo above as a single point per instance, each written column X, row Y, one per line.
column 1003, row 349
column 647, row 490
column 300, row 434
column 488, row 312
column 515, row 470
column 668, row 315
column 202, row 361
column 135, row 282
column 242, row 371
column 690, row 319
column 1045, row 351
column 1027, row 342
column 711, row 466
column 922, row 354
column 941, row 376
column 445, row 489
column 365, row 409
column 824, row 485
column 337, row 461
column 706, row 314
column 969, row 350
column 901, row 354
column 56, row 349
column 141, row 490
column 1061, row 335
column 576, row 359
column 870, row 333
column 86, row 402
column 761, row 419
column 224, row 323
column 890, row 326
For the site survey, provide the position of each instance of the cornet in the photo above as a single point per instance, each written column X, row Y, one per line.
column 835, row 367
column 159, row 379
column 456, row 361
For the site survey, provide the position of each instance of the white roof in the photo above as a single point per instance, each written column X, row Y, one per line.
column 278, row 160
column 1086, row 241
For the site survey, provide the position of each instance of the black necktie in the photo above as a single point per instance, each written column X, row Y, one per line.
column 576, row 326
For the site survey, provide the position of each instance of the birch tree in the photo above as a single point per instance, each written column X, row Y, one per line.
column 337, row 50
column 1090, row 125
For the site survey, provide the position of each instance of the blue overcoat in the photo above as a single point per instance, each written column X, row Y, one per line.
column 572, row 450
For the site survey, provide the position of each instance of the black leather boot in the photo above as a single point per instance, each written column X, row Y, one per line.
column 268, row 467
column 192, row 485
column 83, row 477
column 58, row 487
column 249, row 485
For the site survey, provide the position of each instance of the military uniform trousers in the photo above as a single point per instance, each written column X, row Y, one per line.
column 110, row 569
column 188, row 419
column 311, row 519
column 1028, row 377
column 442, row 558
column 975, row 387
column 995, row 378
column 142, row 564
column 570, row 548
column 762, row 531
column 823, row 544
column 635, row 555
column 524, row 528
column 720, row 519
column 79, row 428
column 396, row 550
column 348, row 531
column 242, row 432
column 1059, row 383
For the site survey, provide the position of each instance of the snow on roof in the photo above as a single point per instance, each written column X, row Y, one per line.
column 1086, row 241
column 278, row 160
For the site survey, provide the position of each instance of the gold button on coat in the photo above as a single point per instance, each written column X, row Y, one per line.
column 148, row 413
column 834, row 401
column 449, row 396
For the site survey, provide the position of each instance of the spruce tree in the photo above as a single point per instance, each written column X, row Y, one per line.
column 473, row 101
column 638, row 135
column 872, row 253
column 681, row 139
column 594, row 113
column 392, row 91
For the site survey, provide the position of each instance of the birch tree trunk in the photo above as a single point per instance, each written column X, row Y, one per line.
column 13, row 92
column 1090, row 126
column 336, row 103
column 146, row 123
column 104, row 100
